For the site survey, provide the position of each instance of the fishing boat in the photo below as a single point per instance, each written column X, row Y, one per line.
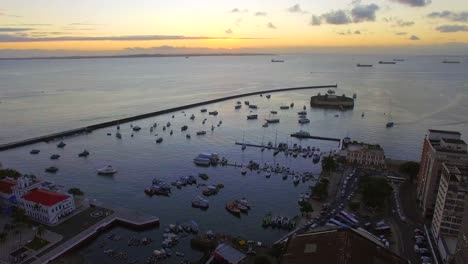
column 159, row 140
column 233, row 208
column 244, row 202
column 118, row 135
column 168, row 124
column 184, row 128
column 188, row 136
column 390, row 124
column 61, row 145
column 265, row 124
column 55, row 156
column 51, row 169
column 291, row 105
column 192, row 117
column 273, row 112
column 108, row 170
column 387, row 62
column 243, row 171
column 34, row 151
column 243, row 208
column 268, row 96
column 203, row 110
column 213, row 113
column 296, row 179
column 284, row 107
column 136, row 128
column 272, row 121
column 238, row 106
column 363, row 65
column 201, row 133
column 252, row 106
column 252, row 117
column 246, row 102
column 85, row 153
column 273, row 60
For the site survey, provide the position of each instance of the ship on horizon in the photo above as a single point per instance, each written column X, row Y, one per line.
column 364, row 65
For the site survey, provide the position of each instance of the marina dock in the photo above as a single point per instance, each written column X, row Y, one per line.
column 90, row 128
column 316, row 137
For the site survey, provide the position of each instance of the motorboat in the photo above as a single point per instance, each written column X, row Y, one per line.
column 244, row 146
column 118, row 135
column 304, row 121
column 199, row 161
column 168, row 124
column 246, row 102
column 296, row 179
column 273, row 112
column 172, row 132
column 192, row 117
column 159, row 140
column 85, row 153
column 267, row 175
column 302, row 113
column 199, row 202
column 201, row 133
column 108, row 170
column 61, row 145
column 136, row 128
column 315, row 157
column 268, row 96
column 244, row 202
column 238, row 106
column 55, row 156
column 390, row 124
column 239, row 102
column 34, row 151
column 252, row 106
column 243, row 208
column 51, row 169
column 204, row 110
column 188, row 136
column 330, row 91
column 284, row 107
column 243, row 171
column 252, row 117
column 184, row 128
column 265, row 125
column 213, row 113
column 210, row 190
column 291, row 105
column 304, row 107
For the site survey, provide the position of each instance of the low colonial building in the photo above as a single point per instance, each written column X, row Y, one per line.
column 41, row 204
column 366, row 155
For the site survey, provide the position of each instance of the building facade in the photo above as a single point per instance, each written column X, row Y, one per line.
column 365, row 155
column 439, row 146
column 41, row 204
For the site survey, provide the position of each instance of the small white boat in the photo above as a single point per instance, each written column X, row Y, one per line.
column 304, row 121
column 302, row 113
column 243, row 171
column 108, row 170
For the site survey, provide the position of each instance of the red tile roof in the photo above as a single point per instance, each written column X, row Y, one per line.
column 44, row 197
column 6, row 184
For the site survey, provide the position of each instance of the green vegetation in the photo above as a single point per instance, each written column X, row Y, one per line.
column 410, row 168
column 4, row 173
column 75, row 191
column 329, row 164
column 306, row 207
column 374, row 191
column 19, row 216
column 3, row 236
column 262, row 260
column 37, row 243
column 320, row 190
column 354, row 205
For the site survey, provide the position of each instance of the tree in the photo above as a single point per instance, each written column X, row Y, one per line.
column 328, row 164
column 4, row 173
column 3, row 236
column 262, row 260
column 354, row 205
column 410, row 168
column 75, row 191
column 19, row 216
column 375, row 191
column 306, row 208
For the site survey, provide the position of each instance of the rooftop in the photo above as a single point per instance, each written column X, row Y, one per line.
column 6, row 185
column 44, row 197
column 454, row 141
column 342, row 245
column 229, row 254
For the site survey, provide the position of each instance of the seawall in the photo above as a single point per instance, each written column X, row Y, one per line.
column 90, row 128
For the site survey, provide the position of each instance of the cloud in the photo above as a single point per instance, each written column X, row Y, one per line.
column 14, row 29
column 349, row 32
column 338, row 17
column 237, row 10
column 271, row 26
column 228, row 31
column 315, row 20
column 397, row 22
column 414, row 2
column 452, row 28
column 413, row 37
column 84, row 24
column 401, row 33
column 11, row 38
column 260, row 14
column 362, row 13
column 296, row 9
column 449, row 15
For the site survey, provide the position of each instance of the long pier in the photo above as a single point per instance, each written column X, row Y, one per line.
column 316, row 137
column 90, row 128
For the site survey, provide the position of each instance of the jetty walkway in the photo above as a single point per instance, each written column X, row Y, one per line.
column 90, row 128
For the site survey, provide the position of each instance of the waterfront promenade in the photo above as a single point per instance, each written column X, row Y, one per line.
column 90, row 128
column 120, row 216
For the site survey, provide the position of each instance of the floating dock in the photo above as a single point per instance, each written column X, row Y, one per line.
column 89, row 129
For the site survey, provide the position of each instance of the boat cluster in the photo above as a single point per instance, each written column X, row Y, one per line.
column 61, row 145
column 115, row 254
column 184, row 181
column 236, row 207
column 136, row 242
column 280, row 222
column 158, row 188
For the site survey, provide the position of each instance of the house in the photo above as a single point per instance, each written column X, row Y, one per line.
column 366, row 155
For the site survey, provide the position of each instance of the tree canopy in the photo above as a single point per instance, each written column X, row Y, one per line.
column 4, row 173
column 374, row 191
column 410, row 168
column 75, row 191
column 329, row 164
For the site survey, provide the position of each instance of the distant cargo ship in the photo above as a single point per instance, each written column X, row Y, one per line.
column 364, row 65
column 449, row 61
column 398, row 60
column 387, row 62
column 277, row 60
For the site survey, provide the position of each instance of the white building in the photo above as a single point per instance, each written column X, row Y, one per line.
column 365, row 155
column 42, row 205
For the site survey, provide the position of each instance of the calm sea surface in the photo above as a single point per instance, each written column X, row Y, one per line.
column 44, row 96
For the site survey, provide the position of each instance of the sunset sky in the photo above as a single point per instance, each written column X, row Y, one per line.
column 35, row 27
